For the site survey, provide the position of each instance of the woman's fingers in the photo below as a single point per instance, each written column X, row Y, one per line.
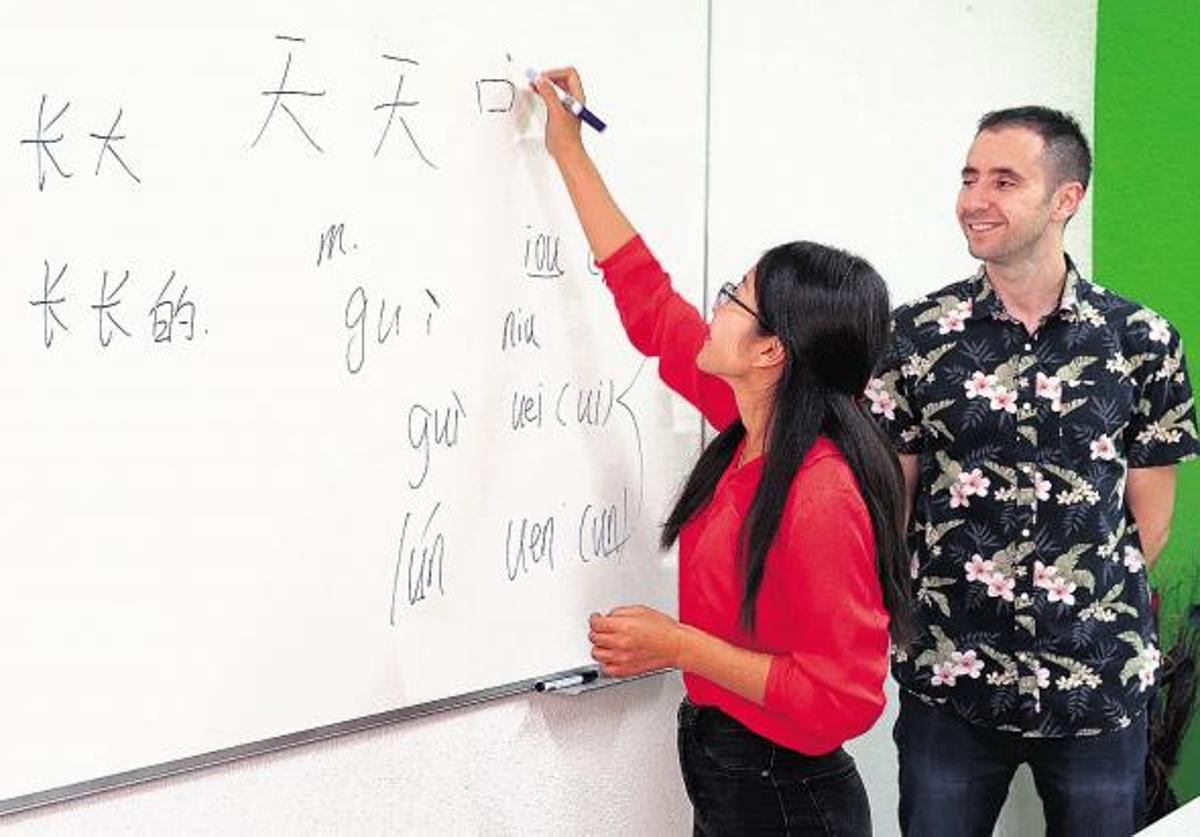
column 612, row 663
column 568, row 79
column 601, row 639
column 613, row 640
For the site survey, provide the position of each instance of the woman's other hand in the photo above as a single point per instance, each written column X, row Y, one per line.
column 634, row 640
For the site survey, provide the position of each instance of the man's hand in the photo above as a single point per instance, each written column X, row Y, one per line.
column 1150, row 495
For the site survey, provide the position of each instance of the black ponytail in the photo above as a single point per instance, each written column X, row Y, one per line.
column 877, row 470
column 702, row 482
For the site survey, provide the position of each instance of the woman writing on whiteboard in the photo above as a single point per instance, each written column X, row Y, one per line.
column 792, row 570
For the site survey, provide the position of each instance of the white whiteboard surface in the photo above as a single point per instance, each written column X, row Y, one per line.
column 287, row 489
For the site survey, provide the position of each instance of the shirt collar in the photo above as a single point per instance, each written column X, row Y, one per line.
column 986, row 302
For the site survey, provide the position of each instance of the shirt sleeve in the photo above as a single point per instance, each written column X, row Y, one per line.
column 661, row 323
column 831, row 682
column 1163, row 428
column 890, row 394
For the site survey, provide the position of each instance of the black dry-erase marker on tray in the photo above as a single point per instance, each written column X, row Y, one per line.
column 568, row 681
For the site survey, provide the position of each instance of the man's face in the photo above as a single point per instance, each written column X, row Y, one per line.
column 1004, row 206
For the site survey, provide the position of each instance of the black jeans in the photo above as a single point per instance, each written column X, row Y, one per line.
column 741, row 783
column 954, row 776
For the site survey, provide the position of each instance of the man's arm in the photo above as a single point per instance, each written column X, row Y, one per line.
column 910, row 465
column 1150, row 495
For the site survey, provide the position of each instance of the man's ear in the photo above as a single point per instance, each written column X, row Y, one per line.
column 1066, row 200
column 770, row 353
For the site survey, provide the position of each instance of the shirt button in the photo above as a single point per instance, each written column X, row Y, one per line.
column 1028, row 406
column 1024, row 533
column 1028, row 347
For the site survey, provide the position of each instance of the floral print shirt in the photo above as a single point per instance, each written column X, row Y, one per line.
column 1026, row 562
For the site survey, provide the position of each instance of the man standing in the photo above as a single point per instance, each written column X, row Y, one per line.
column 1039, row 418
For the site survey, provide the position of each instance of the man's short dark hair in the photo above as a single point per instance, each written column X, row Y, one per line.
column 1066, row 146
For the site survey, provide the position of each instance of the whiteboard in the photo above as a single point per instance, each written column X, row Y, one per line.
column 314, row 406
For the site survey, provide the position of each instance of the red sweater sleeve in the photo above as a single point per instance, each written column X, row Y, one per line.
column 661, row 323
column 830, row 684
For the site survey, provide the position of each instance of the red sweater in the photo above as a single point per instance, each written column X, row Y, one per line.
column 820, row 607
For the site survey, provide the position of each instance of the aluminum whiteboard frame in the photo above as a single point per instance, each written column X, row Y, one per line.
column 226, row 755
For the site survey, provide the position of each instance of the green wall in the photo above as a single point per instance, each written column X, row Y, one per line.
column 1146, row 230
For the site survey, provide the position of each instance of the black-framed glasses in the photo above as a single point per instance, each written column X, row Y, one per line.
column 728, row 293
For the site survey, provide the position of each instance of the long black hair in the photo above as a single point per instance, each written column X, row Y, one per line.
column 831, row 312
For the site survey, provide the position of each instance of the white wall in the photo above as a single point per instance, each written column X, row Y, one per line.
column 848, row 123
column 845, row 123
